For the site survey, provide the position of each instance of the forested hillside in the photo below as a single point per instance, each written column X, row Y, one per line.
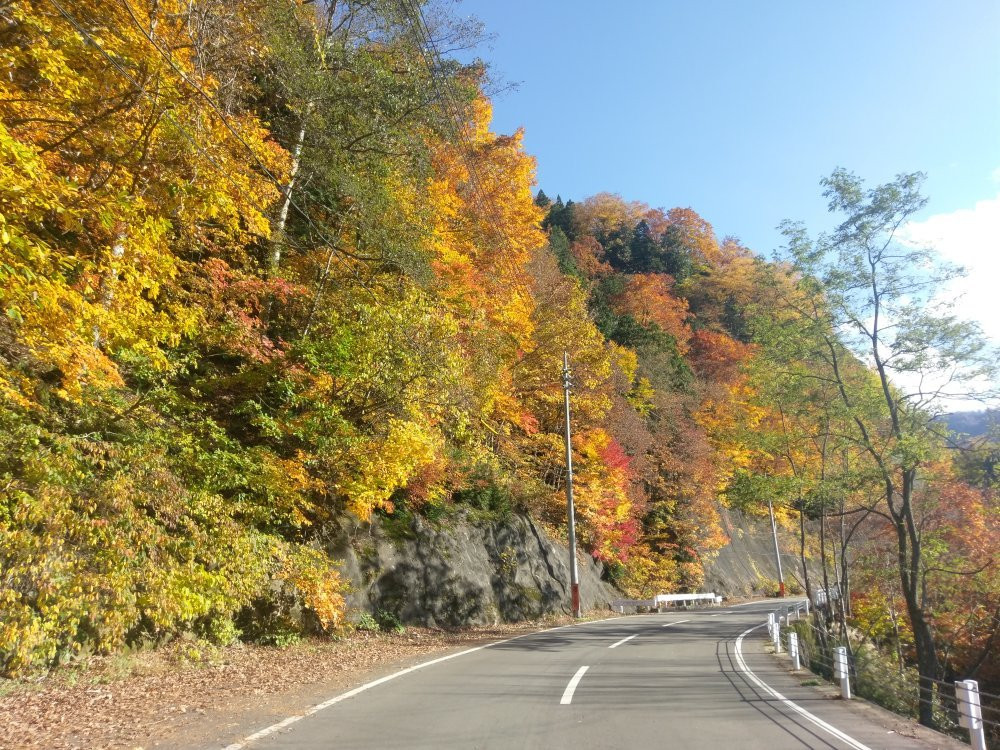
column 264, row 264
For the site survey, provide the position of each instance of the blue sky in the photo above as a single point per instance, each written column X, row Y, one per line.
column 738, row 108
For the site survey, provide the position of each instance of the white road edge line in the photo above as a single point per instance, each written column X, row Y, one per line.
column 828, row 728
column 567, row 696
column 675, row 622
column 261, row 734
column 763, row 601
column 623, row 640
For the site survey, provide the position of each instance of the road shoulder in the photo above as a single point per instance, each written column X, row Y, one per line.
column 865, row 721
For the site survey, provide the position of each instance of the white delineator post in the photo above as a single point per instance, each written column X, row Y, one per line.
column 770, row 624
column 841, row 671
column 793, row 649
column 970, row 712
column 777, row 637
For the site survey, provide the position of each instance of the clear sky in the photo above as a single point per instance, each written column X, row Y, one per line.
column 738, row 108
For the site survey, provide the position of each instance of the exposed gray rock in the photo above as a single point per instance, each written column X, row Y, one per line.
column 461, row 571
column 746, row 565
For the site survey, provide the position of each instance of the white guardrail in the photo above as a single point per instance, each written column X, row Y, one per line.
column 659, row 600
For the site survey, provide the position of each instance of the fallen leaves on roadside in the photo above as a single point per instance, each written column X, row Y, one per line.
column 106, row 705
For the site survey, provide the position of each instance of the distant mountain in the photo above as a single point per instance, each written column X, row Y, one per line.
column 972, row 423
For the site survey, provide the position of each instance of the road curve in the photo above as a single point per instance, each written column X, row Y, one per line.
column 669, row 680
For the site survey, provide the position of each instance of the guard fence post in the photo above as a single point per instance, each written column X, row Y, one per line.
column 776, row 636
column 793, row 649
column 842, row 672
column 970, row 712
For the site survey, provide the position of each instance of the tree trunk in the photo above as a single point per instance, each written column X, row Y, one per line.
column 277, row 236
column 841, row 604
column 927, row 664
column 845, row 581
column 909, row 558
column 827, row 598
column 802, row 551
column 108, row 285
column 894, row 618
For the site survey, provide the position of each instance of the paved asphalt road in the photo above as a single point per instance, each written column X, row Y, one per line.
column 651, row 681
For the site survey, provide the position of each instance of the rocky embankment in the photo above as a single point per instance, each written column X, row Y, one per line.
column 746, row 566
column 462, row 571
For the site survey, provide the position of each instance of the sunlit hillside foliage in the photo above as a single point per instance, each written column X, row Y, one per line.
column 264, row 265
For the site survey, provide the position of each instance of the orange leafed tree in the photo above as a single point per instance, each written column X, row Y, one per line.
column 696, row 235
column 649, row 298
column 485, row 223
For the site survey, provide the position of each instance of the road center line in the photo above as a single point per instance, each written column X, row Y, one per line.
column 567, row 696
column 617, row 644
column 829, row 728
column 677, row 622
column 260, row 734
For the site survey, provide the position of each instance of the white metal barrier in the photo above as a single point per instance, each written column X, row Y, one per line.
column 662, row 599
column 970, row 712
column 822, row 597
column 685, row 598
column 842, row 672
column 776, row 618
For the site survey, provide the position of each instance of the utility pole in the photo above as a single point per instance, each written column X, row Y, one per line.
column 574, row 579
column 777, row 551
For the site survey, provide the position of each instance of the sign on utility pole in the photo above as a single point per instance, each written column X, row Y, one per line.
column 574, row 579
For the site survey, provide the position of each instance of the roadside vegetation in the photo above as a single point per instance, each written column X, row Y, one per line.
column 263, row 264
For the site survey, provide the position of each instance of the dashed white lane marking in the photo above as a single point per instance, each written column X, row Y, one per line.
column 828, row 728
column 248, row 740
column 567, row 696
column 716, row 614
column 676, row 622
column 623, row 640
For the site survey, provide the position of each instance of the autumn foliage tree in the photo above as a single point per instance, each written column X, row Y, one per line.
column 265, row 266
